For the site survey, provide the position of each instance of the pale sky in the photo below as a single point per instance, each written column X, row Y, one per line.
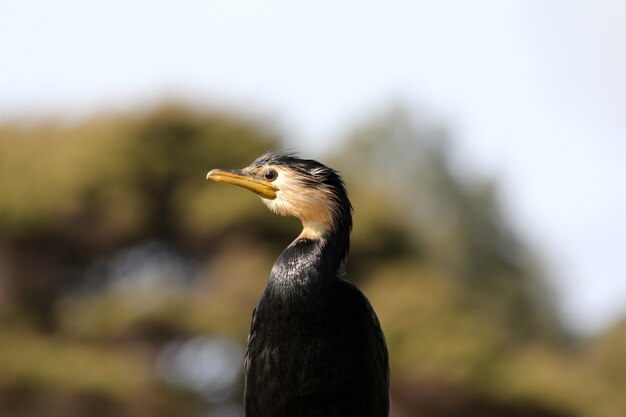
column 535, row 92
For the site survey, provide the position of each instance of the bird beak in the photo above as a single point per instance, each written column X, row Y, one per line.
column 237, row 177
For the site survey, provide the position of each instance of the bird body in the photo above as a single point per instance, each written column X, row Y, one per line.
column 315, row 347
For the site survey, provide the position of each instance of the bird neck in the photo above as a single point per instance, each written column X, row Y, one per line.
column 312, row 258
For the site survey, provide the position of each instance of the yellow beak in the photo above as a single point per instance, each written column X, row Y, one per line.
column 236, row 177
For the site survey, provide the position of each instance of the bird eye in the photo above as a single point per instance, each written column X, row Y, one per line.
column 270, row 175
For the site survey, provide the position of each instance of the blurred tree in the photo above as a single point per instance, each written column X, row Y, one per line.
column 469, row 321
column 403, row 182
column 71, row 193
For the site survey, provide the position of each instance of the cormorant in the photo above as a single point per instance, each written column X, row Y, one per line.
column 315, row 347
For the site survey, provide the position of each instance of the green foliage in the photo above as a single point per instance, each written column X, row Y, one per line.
column 399, row 172
column 458, row 295
column 430, row 327
column 123, row 178
column 61, row 363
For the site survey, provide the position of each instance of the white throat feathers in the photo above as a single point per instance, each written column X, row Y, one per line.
column 314, row 206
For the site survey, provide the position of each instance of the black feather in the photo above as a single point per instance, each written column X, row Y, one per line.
column 315, row 348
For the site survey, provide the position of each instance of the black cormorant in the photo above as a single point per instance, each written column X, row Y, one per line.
column 315, row 347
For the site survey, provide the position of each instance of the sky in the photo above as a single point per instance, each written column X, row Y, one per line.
column 534, row 92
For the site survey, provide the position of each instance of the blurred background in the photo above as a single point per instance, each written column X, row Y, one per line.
column 483, row 148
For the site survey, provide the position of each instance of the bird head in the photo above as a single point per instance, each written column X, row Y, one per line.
column 302, row 188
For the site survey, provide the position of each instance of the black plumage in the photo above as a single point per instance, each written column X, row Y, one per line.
column 315, row 347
